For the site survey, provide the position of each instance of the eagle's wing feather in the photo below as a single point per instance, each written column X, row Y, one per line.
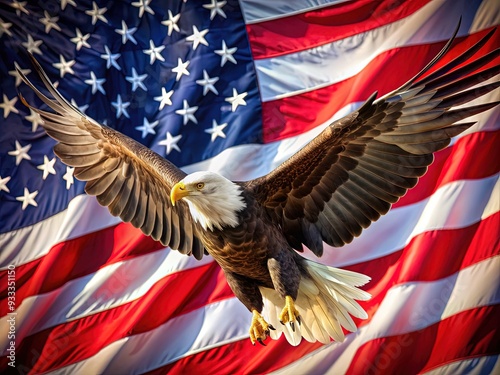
column 351, row 174
column 127, row 177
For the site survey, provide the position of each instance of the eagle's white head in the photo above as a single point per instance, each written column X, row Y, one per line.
column 213, row 200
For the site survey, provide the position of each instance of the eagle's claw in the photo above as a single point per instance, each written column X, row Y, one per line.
column 259, row 329
column 289, row 314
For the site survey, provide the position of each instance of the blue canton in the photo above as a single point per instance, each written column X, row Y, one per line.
column 177, row 76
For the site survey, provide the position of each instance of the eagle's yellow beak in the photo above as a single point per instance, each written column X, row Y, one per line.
column 179, row 191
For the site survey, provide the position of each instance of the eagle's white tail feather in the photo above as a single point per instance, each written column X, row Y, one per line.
column 325, row 303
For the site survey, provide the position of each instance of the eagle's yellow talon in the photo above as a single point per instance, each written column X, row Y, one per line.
column 259, row 329
column 289, row 314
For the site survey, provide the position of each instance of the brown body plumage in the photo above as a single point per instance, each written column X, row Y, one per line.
column 331, row 190
column 254, row 254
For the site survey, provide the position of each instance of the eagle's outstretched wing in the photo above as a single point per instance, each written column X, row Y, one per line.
column 352, row 173
column 127, row 177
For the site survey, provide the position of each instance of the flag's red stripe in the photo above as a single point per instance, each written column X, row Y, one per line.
column 286, row 117
column 441, row 256
column 469, row 158
column 82, row 338
column 115, row 244
column 228, row 358
column 468, row 334
column 326, row 25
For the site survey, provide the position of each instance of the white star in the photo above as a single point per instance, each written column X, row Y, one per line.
column 136, row 80
column 35, row 120
column 97, row 13
column 208, row 83
column 64, row 66
column 8, row 105
column 216, row 8
column 82, row 109
column 121, row 107
column 236, row 99
column 154, row 52
column 127, row 33
column 171, row 143
column 19, row 7
column 66, row 2
column 96, row 83
column 32, row 45
column 147, row 127
column 15, row 74
column 47, row 167
column 80, row 40
column 226, row 54
column 3, row 183
column 4, row 28
column 187, row 113
column 50, row 22
column 171, row 22
column 216, row 130
column 21, row 152
column 28, row 198
column 111, row 58
column 164, row 98
column 180, row 69
column 68, row 176
column 143, row 6
column 198, row 37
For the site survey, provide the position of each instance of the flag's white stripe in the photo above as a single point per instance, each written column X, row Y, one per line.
column 255, row 11
column 420, row 304
column 193, row 332
column 458, row 204
column 84, row 215
column 109, row 287
column 472, row 366
column 209, row 326
column 318, row 67
column 406, row 308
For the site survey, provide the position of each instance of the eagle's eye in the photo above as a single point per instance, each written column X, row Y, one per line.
column 200, row 185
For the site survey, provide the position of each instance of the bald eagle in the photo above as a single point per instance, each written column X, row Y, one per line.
column 337, row 185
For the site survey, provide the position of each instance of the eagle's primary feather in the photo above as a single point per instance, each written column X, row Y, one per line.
column 337, row 185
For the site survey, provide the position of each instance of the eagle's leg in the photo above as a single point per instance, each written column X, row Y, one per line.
column 247, row 291
column 285, row 274
column 289, row 314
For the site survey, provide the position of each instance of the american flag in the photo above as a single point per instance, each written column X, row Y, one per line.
column 236, row 87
